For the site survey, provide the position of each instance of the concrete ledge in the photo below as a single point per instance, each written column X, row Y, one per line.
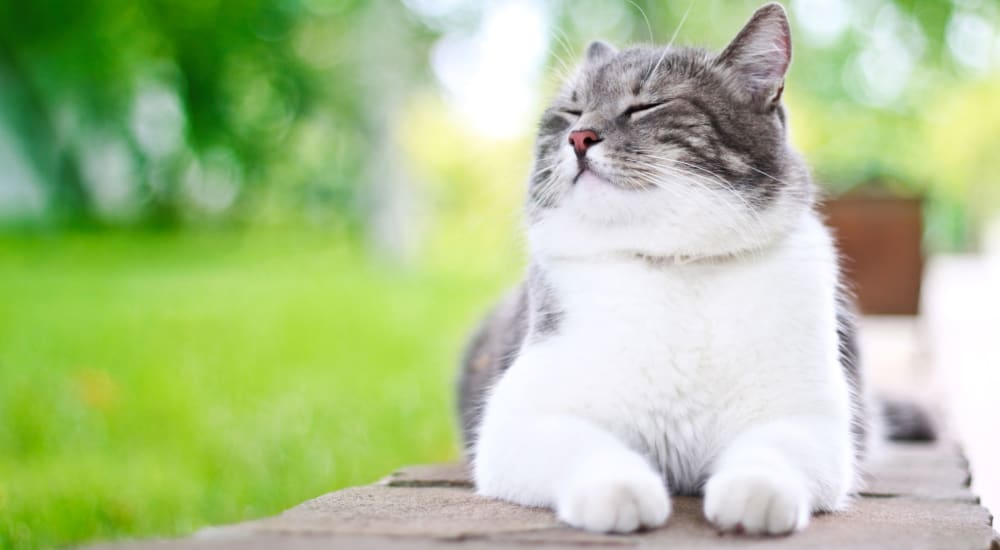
column 917, row 497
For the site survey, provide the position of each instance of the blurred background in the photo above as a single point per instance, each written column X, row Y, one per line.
column 241, row 243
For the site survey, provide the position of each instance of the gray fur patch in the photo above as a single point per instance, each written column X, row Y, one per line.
column 546, row 314
column 850, row 363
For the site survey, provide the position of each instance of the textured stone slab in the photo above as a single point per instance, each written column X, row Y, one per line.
column 919, row 470
column 870, row 523
column 918, row 498
column 440, row 512
column 455, row 474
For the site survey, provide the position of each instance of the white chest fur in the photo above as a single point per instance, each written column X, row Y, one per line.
column 677, row 360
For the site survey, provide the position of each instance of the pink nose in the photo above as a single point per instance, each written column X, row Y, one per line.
column 581, row 140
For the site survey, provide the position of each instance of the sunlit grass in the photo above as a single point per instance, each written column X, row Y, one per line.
column 150, row 385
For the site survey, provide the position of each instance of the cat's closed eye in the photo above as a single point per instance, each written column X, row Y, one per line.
column 572, row 112
column 641, row 108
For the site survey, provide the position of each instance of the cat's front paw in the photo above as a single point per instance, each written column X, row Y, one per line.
column 612, row 499
column 757, row 502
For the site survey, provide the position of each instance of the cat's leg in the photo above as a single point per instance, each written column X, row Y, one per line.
column 548, row 456
column 591, row 479
column 772, row 477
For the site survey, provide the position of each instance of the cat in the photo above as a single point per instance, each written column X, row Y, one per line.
column 682, row 327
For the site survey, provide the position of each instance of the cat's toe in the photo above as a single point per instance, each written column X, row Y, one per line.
column 615, row 502
column 756, row 502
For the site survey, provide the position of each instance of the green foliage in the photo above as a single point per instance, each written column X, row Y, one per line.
column 162, row 111
column 154, row 384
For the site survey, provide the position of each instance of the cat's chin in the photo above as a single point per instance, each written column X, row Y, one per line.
column 589, row 179
column 600, row 219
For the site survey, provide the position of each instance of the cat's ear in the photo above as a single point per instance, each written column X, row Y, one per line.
column 599, row 51
column 760, row 54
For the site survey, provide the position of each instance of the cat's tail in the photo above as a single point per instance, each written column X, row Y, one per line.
column 906, row 421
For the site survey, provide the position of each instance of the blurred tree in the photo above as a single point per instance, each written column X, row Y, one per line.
column 166, row 111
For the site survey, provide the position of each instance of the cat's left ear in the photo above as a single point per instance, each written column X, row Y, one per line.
column 760, row 54
column 599, row 51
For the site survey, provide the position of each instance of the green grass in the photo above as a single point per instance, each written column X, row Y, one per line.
column 154, row 384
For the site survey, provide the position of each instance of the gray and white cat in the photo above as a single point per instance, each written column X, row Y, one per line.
column 682, row 327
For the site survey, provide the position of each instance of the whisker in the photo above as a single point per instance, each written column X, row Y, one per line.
column 763, row 173
column 755, row 227
column 666, row 49
column 684, row 17
column 726, row 185
column 644, row 18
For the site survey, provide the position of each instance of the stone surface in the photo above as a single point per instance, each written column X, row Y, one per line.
column 441, row 512
column 919, row 470
column 430, row 475
column 917, row 497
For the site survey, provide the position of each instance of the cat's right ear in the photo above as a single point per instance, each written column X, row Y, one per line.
column 599, row 51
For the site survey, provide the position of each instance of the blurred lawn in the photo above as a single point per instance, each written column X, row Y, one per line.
column 152, row 384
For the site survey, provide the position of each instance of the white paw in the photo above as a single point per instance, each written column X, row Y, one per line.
column 618, row 500
column 757, row 502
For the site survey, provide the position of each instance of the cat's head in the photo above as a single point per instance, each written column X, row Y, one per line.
column 670, row 151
